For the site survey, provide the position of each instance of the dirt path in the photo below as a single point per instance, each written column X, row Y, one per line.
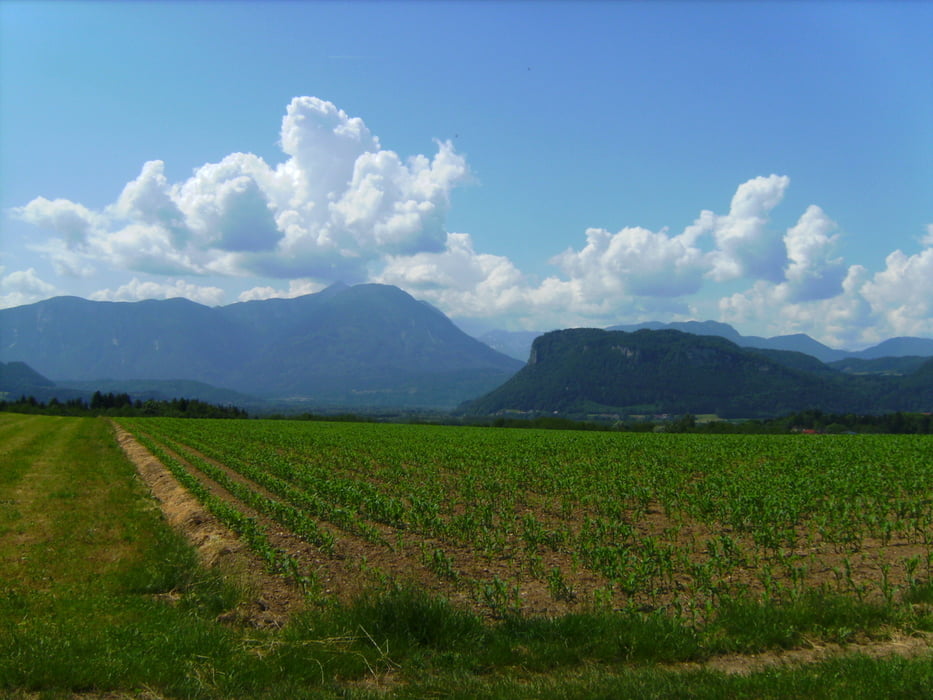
column 747, row 664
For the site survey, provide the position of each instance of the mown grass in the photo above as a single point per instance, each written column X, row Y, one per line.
column 86, row 562
column 83, row 556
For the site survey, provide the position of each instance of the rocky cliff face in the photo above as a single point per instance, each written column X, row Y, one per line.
column 584, row 371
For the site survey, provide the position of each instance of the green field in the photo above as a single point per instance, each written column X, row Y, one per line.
column 433, row 561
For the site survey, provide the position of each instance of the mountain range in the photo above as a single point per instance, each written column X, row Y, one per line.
column 582, row 372
column 366, row 345
column 374, row 346
column 517, row 344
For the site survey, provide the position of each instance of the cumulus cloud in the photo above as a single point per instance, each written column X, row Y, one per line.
column 296, row 288
column 866, row 309
column 745, row 245
column 336, row 204
column 811, row 273
column 798, row 282
column 136, row 290
column 628, row 272
column 599, row 280
column 23, row 287
column 65, row 261
column 635, row 261
column 903, row 293
column 74, row 222
column 927, row 239
column 148, row 200
column 460, row 279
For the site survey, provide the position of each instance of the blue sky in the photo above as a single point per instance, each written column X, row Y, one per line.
column 520, row 165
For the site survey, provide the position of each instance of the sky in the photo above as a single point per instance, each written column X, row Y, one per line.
column 524, row 166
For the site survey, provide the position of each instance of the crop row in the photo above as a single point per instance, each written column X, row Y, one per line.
column 657, row 519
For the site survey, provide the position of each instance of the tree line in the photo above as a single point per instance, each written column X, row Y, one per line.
column 815, row 421
column 111, row 404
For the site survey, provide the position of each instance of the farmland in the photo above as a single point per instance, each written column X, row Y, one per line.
column 541, row 522
column 494, row 554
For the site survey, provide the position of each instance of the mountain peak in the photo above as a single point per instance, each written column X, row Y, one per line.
column 335, row 288
column 370, row 344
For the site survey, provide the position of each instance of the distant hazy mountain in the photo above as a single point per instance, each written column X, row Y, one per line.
column 518, row 343
column 586, row 371
column 515, row 344
column 899, row 347
column 20, row 377
column 368, row 345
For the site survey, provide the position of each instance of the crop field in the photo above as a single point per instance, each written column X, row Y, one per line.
column 436, row 561
column 545, row 522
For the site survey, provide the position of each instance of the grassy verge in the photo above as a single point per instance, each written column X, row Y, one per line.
column 87, row 565
column 98, row 595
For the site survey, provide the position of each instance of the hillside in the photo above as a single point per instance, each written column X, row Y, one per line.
column 586, row 371
column 518, row 343
column 18, row 376
column 796, row 342
column 19, row 379
column 368, row 345
column 882, row 365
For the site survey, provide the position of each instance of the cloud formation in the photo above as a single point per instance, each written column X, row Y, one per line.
column 336, row 204
column 341, row 207
column 137, row 290
column 296, row 288
column 23, row 287
column 636, row 271
column 868, row 308
column 746, row 246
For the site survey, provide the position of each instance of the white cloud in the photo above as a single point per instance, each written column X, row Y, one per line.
column 746, row 246
column 632, row 271
column 324, row 144
column 148, row 200
column 637, row 274
column 75, row 222
column 66, row 262
column 635, row 262
column 460, row 280
column 400, row 208
column 927, row 239
column 811, row 274
column 23, row 287
column 136, row 290
column 902, row 293
column 296, row 288
column 868, row 308
column 338, row 203
column 602, row 279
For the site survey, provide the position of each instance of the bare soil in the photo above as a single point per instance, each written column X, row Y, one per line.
column 746, row 664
